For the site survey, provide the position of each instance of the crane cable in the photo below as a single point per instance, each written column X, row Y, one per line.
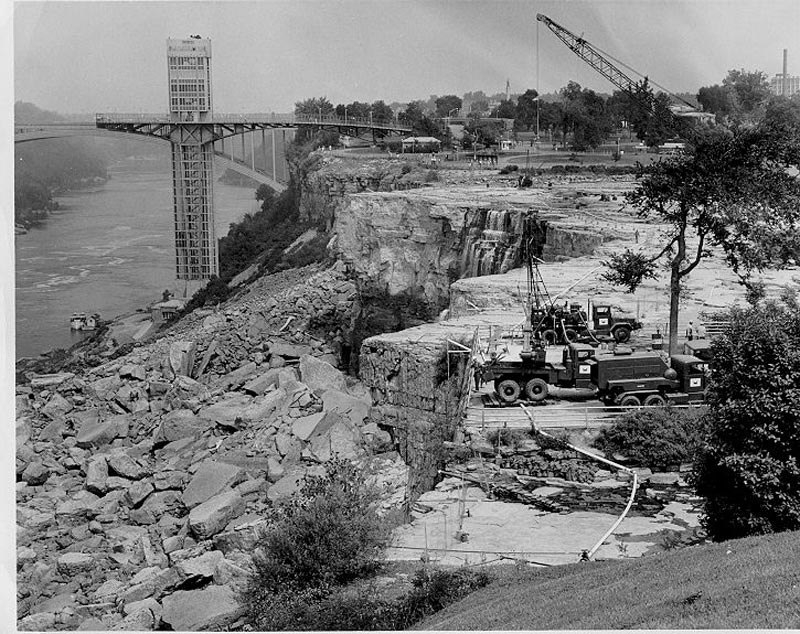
column 587, row 555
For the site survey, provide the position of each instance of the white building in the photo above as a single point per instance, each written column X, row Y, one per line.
column 792, row 85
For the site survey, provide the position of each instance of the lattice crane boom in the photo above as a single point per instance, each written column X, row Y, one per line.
column 597, row 60
column 589, row 54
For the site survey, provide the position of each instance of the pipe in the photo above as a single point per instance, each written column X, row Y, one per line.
column 616, row 465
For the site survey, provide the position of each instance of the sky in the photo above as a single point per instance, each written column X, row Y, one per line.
column 76, row 57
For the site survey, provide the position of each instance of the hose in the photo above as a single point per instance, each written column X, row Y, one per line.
column 635, row 485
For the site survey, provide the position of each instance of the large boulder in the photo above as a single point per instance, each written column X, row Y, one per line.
column 260, row 384
column 214, row 608
column 181, row 423
column 210, row 517
column 263, row 407
column 181, row 357
column 237, row 377
column 320, row 376
column 226, row 411
column 305, row 426
column 353, row 409
column 50, row 380
column 56, row 407
column 288, row 350
column 210, row 479
column 96, row 433
column 342, row 440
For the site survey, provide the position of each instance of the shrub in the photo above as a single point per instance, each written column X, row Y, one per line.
column 748, row 470
column 434, row 590
column 326, row 535
column 654, row 436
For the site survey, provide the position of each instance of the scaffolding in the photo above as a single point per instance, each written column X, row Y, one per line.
column 195, row 242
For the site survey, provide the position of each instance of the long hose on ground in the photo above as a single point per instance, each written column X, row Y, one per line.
column 587, row 555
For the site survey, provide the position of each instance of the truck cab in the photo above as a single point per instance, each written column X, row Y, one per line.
column 605, row 324
column 577, row 370
column 692, row 375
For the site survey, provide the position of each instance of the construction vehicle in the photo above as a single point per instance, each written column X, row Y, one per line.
column 570, row 324
column 622, row 377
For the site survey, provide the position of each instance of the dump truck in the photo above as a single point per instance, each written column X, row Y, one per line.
column 622, row 377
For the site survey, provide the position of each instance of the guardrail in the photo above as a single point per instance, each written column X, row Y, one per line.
column 262, row 117
column 586, row 417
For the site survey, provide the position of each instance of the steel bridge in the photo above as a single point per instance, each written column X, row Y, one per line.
column 197, row 136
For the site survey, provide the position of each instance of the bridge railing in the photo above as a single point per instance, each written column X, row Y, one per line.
column 258, row 117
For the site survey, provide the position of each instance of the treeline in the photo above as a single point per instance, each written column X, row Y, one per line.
column 45, row 168
column 576, row 117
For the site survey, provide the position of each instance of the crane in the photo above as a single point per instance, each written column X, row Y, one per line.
column 598, row 60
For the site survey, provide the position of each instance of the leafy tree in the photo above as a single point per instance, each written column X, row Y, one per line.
column 421, row 124
column 748, row 92
column 506, row 110
column 749, row 469
column 525, row 115
column 381, row 112
column 731, row 189
column 446, row 104
column 355, row 110
column 313, row 107
column 584, row 116
column 479, row 106
column 715, row 99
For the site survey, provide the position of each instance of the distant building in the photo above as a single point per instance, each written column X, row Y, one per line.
column 421, row 144
column 166, row 311
column 792, row 85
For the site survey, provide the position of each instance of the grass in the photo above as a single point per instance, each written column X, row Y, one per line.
column 746, row 583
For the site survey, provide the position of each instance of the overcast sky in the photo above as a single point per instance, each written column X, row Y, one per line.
column 98, row 56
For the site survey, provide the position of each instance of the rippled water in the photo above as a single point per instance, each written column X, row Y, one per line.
column 109, row 250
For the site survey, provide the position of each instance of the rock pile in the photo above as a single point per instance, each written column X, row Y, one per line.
column 142, row 483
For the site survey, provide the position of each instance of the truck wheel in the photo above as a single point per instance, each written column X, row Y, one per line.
column 655, row 400
column 631, row 400
column 622, row 334
column 536, row 390
column 508, row 390
column 550, row 337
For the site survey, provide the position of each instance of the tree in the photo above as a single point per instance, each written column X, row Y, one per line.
column 313, row 107
column 381, row 112
column 525, row 116
column 715, row 99
column 355, row 110
column 506, row 110
column 421, row 125
column 749, row 469
column 445, row 105
column 731, row 189
column 584, row 117
column 748, row 93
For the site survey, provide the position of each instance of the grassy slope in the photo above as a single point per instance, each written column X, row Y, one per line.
column 755, row 585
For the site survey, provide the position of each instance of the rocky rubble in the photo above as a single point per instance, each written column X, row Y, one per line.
column 142, row 482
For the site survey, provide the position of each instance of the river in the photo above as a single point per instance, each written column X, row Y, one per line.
column 109, row 250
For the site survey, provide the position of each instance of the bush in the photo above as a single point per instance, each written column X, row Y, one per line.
column 434, row 590
column 326, row 535
column 749, row 470
column 655, row 437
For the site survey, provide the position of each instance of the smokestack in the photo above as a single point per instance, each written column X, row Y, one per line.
column 785, row 83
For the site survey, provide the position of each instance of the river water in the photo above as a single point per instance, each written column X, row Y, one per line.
column 109, row 250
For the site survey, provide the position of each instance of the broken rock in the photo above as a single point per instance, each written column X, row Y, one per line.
column 214, row 608
column 210, row 517
column 320, row 376
column 210, row 479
